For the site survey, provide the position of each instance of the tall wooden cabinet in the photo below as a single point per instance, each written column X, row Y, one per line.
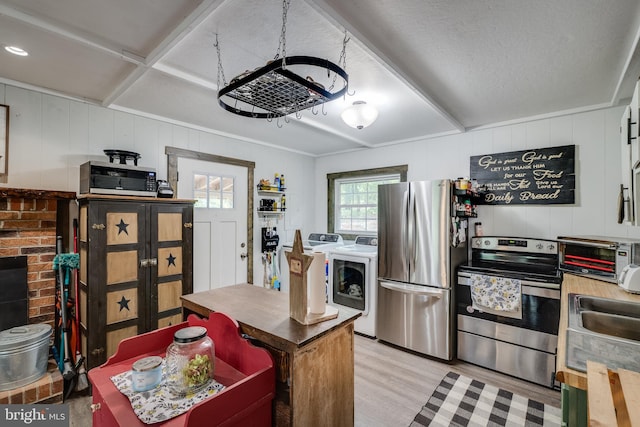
column 136, row 260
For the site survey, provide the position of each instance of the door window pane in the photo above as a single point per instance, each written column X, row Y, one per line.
column 213, row 191
column 200, row 190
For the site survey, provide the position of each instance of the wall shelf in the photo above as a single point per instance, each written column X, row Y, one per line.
column 270, row 213
column 277, row 196
column 271, row 192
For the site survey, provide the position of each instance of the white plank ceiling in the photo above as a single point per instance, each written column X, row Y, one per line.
column 431, row 67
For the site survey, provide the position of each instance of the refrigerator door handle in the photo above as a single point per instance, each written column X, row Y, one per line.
column 411, row 234
column 405, row 225
column 412, row 289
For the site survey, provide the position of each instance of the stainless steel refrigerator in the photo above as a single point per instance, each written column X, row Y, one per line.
column 416, row 266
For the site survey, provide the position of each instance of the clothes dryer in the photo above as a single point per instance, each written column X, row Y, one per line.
column 353, row 281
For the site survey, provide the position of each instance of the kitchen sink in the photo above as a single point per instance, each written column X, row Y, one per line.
column 606, row 305
column 603, row 330
column 611, row 324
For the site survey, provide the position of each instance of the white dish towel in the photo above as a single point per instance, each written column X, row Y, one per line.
column 501, row 296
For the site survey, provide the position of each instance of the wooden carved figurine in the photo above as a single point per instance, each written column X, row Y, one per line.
column 299, row 264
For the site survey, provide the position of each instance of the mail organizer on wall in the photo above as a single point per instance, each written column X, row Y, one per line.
column 269, row 239
column 538, row 176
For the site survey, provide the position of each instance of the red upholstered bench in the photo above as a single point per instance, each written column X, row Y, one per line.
column 246, row 371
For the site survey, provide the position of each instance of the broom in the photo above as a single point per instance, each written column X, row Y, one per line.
column 82, row 382
column 63, row 262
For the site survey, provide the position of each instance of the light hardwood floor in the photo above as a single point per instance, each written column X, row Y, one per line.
column 391, row 385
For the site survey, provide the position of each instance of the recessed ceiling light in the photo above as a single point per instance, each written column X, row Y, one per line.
column 16, row 50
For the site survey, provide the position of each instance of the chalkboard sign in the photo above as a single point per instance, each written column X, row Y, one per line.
column 539, row 176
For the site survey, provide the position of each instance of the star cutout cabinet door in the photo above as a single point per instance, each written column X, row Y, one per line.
column 112, row 244
column 171, row 237
column 135, row 263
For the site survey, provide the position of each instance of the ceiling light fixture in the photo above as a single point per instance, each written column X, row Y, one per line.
column 16, row 50
column 275, row 90
column 359, row 115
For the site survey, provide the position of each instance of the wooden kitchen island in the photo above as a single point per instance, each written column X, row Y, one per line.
column 314, row 364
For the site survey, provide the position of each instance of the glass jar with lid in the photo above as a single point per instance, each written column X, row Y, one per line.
column 190, row 360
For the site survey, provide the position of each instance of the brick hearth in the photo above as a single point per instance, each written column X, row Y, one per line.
column 30, row 220
column 47, row 389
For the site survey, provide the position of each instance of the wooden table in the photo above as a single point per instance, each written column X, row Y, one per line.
column 314, row 363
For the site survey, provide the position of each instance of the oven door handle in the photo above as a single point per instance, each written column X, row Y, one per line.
column 526, row 287
column 413, row 289
column 587, row 243
column 523, row 282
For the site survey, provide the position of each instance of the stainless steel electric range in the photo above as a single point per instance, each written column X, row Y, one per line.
column 508, row 307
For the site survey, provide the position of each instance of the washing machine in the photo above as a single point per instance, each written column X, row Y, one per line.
column 353, row 276
column 316, row 242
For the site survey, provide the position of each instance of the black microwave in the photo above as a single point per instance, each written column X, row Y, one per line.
column 118, row 179
column 597, row 257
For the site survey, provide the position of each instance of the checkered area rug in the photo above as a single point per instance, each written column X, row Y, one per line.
column 461, row 401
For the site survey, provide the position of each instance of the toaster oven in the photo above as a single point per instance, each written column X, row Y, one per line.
column 601, row 258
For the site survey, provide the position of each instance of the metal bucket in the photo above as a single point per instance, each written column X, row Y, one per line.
column 24, row 353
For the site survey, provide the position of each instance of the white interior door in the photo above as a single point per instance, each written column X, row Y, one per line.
column 220, row 229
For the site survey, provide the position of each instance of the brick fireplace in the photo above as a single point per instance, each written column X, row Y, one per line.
column 30, row 220
column 29, row 223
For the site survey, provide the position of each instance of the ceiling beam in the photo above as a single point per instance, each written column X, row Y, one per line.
column 626, row 69
column 209, row 130
column 184, row 28
column 187, row 77
column 48, row 91
column 339, row 21
column 81, row 37
column 319, row 124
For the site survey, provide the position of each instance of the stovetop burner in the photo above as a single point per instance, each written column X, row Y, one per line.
column 519, row 258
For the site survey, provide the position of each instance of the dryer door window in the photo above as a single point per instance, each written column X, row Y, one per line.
column 349, row 283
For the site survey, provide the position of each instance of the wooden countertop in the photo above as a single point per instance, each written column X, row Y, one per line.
column 585, row 286
column 264, row 314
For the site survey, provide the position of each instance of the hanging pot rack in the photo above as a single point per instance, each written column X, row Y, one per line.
column 275, row 90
